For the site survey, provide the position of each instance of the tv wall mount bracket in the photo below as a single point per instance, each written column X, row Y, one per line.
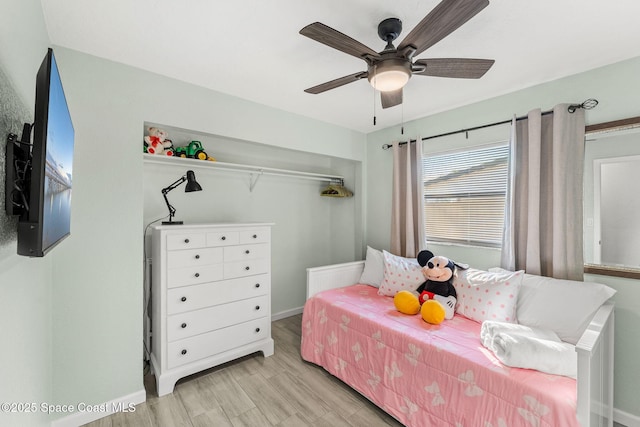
column 18, row 162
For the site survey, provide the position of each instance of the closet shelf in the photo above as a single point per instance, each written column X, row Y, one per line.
column 238, row 167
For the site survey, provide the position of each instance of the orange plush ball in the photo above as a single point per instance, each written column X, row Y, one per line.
column 432, row 312
column 406, row 302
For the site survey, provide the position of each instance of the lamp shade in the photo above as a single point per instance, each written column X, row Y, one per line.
column 192, row 184
column 390, row 74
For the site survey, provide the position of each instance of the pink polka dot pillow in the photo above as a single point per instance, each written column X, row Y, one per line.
column 400, row 274
column 484, row 295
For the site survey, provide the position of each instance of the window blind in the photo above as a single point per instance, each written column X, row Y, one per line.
column 464, row 195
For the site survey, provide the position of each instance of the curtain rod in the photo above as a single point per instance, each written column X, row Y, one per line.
column 587, row 105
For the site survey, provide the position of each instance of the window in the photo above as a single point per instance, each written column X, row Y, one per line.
column 464, row 195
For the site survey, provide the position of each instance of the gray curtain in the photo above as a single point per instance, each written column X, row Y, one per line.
column 407, row 212
column 543, row 216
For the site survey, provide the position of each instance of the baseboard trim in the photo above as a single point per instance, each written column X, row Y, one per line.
column 625, row 418
column 84, row 416
column 286, row 313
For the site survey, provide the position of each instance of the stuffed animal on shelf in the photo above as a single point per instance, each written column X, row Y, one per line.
column 437, row 297
column 157, row 142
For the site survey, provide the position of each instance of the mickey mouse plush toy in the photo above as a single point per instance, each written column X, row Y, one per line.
column 437, row 296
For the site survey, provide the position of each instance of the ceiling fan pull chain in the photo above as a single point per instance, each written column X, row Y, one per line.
column 374, row 107
column 374, row 97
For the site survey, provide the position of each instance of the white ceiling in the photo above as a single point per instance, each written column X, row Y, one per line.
column 251, row 48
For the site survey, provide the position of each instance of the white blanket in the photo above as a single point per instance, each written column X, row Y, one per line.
column 520, row 346
column 491, row 328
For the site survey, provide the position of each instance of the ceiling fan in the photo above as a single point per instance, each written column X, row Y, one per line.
column 388, row 71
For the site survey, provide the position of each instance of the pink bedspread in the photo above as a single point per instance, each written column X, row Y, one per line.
column 426, row 375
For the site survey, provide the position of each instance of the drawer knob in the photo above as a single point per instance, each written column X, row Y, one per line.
column 186, row 240
column 255, row 236
column 247, row 251
column 197, row 256
column 257, row 285
column 257, row 307
column 183, row 299
column 183, row 352
column 184, row 325
column 247, row 268
column 257, row 329
column 197, row 274
column 223, row 238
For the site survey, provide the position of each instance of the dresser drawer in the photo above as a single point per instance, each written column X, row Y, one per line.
column 197, row 322
column 194, row 257
column 198, row 347
column 208, row 294
column 193, row 275
column 185, row 241
column 255, row 235
column 242, row 252
column 245, row 268
column 223, row 238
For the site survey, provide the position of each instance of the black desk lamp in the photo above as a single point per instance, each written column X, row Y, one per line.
column 192, row 185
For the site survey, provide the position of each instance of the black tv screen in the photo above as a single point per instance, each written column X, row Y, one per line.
column 47, row 219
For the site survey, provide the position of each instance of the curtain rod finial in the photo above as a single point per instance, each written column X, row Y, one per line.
column 586, row 105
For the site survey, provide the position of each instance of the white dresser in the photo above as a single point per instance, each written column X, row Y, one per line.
column 210, row 296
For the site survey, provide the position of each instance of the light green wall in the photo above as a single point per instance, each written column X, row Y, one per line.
column 25, row 284
column 616, row 88
column 321, row 229
column 25, row 316
column 98, row 300
column 97, row 327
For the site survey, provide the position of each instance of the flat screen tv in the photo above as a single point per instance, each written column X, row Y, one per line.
column 40, row 172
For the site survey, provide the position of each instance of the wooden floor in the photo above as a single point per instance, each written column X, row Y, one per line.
column 281, row 390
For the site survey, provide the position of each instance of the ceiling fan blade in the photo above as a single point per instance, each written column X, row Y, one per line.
column 444, row 19
column 337, row 82
column 391, row 98
column 335, row 39
column 457, row 68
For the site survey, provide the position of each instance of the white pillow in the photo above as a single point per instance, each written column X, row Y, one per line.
column 373, row 268
column 564, row 306
column 484, row 295
column 400, row 274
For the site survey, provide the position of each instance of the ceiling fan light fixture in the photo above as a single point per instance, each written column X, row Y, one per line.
column 389, row 75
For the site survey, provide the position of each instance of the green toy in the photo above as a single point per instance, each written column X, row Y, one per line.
column 193, row 150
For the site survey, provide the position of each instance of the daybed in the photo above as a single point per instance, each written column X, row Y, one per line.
column 441, row 375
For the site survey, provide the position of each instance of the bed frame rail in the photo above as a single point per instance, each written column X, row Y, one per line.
column 595, row 370
column 333, row 276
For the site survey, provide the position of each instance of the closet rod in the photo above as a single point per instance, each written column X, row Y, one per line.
column 236, row 167
column 587, row 105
